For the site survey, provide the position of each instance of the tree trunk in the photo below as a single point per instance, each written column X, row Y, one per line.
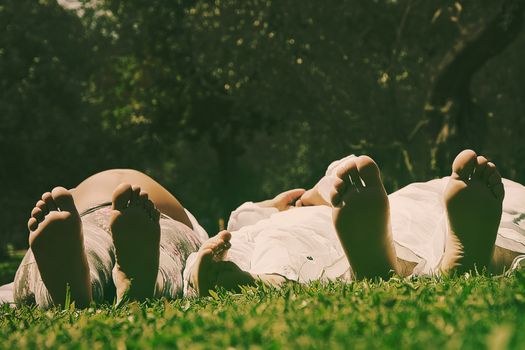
column 450, row 122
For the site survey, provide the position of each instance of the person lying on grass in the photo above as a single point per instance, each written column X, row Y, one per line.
column 108, row 238
column 346, row 227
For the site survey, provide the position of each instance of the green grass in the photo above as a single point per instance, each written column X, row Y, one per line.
column 467, row 313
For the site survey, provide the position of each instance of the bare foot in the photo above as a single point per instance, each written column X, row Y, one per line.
column 473, row 199
column 361, row 217
column 310, row 198
column 58, row 246
column 136, row 235
column 210, row 271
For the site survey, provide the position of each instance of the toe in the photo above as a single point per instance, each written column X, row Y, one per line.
column 491, row 175
column 155, row 214
column 207, row 244
column 479, row 169
column 121, row 196
column 464, row 164
column 144, row 200
column 348, row 172
column 340, row 186
column 206, row 255
column 135, row 197
column 32, row 224
column 368, row 171
column 341, row 189
column 224, row 235
column 50, row 203
column 63, row 199
column 335, row 198
column 42, row 205
column 354, row 176
column 493, row 180
column 148, row 205
column 221, row 244
column 37, row 214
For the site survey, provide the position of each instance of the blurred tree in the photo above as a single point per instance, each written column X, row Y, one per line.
column 224, row 101
column 451, row 121
column 274, row 90
column 44, row 122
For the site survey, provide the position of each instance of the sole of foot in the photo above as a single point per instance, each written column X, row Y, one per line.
column 135, row 230
column 211, row 271
column 361, row 217
column 57, row 243
column 473, row 198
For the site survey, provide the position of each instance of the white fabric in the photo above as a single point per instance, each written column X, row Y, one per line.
column 6, row 294
column 298, row 244
column 197, row 228
column 248, row 214
column 301, row 243
column 6, row 291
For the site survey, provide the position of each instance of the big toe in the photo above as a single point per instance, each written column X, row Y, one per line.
column 224, row 236
column 63, row 199
column 368, row 171
column 121, row 196
column 464, row 164
column 221, row 245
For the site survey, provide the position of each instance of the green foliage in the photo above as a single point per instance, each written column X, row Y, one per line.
column 458, row 313
column 227, row 101
column 9, row 264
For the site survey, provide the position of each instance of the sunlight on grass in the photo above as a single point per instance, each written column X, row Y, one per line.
column 475, row 312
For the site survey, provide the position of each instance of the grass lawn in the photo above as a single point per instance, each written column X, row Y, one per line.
column 467, row 313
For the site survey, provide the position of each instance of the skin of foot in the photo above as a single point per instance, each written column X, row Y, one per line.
column 473, row 199
column 135, row 230
column 361, row 218
column 57, row 244
column 310, row 198
column 211, row 270
column 283, row 201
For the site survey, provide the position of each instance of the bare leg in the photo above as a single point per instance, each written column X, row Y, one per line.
column 136, row 236
column 58, row 246
column 211, row 271
column 473, row 199
column 361, row 217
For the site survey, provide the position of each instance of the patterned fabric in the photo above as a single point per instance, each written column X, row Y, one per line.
column 177, row 242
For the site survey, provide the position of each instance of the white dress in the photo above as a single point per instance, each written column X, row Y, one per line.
column 301, row 243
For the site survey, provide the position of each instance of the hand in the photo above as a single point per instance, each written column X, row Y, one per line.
column 285, row 200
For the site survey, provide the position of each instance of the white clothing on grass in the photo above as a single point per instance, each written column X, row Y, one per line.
column 177, row 241
column 301, row 244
